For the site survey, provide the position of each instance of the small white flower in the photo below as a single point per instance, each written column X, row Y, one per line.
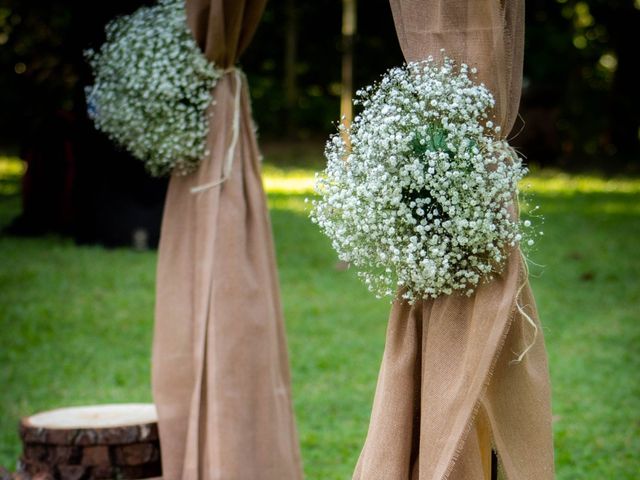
column 416, row 191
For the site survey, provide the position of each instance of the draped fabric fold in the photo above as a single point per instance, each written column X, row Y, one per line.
column 448, row 390
column 220, row 371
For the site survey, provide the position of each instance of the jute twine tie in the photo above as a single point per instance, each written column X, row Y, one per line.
column 231, row 150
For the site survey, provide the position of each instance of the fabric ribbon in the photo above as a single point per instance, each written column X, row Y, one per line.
column 231, row 151
column 453, row 384
column 220, row 370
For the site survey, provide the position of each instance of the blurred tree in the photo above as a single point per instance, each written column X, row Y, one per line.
column 290, row 83
column 349, row 21
column 41, row 52
column 294, row 98
column 77, row 182
column 622, row 19
column 318, row 65
column 580, row 102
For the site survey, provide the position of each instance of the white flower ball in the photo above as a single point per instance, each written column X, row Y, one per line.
column 418, row 193
column 153, row 87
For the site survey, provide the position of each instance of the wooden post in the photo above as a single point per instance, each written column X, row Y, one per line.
column 494, row 465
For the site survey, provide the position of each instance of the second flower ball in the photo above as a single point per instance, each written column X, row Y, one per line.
column 418, row 193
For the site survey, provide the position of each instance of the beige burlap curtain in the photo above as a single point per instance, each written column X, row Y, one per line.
column 220, row 370
column 448, row 391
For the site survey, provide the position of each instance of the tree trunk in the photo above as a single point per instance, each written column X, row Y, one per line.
column 348, row 34
column 625, row 102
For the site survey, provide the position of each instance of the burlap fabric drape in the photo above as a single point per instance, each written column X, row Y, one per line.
column 220, row 369
column 448, row 391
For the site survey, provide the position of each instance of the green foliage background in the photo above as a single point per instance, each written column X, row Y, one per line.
column 580, row 100
column 76, row 325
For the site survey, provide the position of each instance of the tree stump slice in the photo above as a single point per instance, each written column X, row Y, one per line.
column 100, row 442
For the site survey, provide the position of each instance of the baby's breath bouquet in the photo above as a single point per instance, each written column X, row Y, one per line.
column 153, row 87
column 418, row 194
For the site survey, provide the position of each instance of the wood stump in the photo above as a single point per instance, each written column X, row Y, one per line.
column 99, row 442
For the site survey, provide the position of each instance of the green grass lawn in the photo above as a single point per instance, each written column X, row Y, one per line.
column 76, row 323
